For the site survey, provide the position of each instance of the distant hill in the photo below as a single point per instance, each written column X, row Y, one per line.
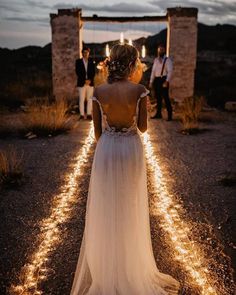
column 26, row 72
column 218, row 37
column 215, row 38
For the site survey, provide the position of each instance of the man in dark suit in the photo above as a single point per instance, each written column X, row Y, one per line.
column 85, row 70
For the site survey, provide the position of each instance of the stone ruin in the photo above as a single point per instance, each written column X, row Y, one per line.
column 66, row 27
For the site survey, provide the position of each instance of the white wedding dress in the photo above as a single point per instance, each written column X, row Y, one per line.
column 116, row 256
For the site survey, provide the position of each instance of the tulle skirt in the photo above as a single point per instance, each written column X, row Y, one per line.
column 116, row 256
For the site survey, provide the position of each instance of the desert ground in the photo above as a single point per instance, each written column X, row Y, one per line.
column 199, row 171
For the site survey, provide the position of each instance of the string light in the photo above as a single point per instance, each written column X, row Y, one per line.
column 185, row 251
column 121, row 38
column 166, row 207
column 36, row 270
column 107, row 50
column 143, row 51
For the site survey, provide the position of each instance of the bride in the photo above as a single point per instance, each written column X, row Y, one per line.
column 116, row 256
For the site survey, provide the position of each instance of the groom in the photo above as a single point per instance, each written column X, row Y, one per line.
column 85, row 70
column 160, row 79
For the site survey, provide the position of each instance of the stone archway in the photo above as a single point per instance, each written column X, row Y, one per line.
column 66, row 28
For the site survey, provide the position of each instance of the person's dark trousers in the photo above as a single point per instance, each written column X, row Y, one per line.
column 160, row 93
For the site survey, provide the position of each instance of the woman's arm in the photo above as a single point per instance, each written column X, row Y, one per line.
column 97, row 118
column 142, row 117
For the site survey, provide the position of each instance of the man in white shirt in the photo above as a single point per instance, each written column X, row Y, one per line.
column 160, row 79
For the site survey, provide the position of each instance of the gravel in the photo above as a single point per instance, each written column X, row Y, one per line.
column 200, row 170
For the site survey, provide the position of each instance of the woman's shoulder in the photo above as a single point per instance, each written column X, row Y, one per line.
column 138, row 90
column 142, row 90
column 101, row 87
column 138, row 87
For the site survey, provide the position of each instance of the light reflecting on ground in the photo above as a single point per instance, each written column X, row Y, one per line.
column 36, row 269
column 186, row 252
column 177, row 230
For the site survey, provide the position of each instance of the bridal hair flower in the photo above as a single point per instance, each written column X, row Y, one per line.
column 116, row 65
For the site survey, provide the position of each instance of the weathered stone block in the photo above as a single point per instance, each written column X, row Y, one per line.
column 66, row 48
column 182, row 47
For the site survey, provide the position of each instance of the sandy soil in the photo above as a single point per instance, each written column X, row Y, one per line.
column 195, row 167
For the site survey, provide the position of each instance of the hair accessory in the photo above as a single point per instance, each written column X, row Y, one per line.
column 116, row 65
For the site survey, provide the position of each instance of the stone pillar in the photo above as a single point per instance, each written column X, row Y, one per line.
column 182, row 48
column 66, row 48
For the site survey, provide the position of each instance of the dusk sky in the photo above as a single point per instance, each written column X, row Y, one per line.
column 26, row 22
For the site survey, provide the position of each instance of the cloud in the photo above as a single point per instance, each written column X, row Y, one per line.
column 146, row 28
column 214, row 8
column 41, row 20
column 121, row 7
column 38, row 4
column 210, row 11
column 17, row 39
column 9, row 8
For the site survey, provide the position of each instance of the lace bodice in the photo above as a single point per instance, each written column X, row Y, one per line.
column 125, row 131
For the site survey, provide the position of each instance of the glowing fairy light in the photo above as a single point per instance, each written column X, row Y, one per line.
column 130, row 41
column 107, row 50
column 143, row 51
column 185, row 251
column 121, row 38
column 36, row 271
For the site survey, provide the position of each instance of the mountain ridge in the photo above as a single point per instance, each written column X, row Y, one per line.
column 210, row 37
column 27, row 71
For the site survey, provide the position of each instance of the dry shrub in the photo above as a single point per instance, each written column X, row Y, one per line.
column 189, row 112
column 43, row 119
column 11, row 168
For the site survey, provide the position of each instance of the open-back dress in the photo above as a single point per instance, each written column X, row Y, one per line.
column 116, row 256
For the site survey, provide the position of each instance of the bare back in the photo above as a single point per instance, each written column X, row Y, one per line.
column 119, row 101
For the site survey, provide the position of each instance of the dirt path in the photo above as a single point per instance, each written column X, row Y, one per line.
column 193, row 167
column 45, row 163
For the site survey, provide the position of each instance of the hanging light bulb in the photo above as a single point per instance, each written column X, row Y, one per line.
column 107, row 50
column 143, row 53
column 130, row 41
column 121, row 38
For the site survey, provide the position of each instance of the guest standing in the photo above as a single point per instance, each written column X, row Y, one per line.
column 160, row 79
column 85, row 70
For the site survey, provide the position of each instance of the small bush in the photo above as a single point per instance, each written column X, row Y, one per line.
column 44, row 119
column 11, row 168
column 189, row 113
